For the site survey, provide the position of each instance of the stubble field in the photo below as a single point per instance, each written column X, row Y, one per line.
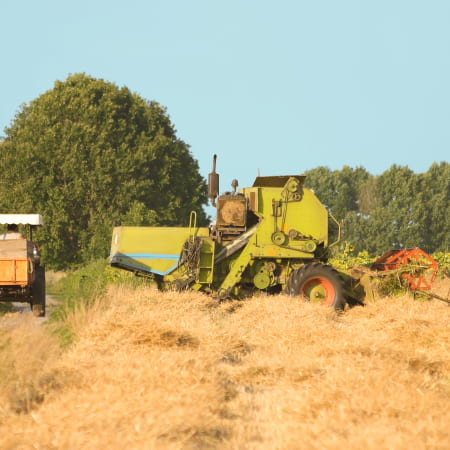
column 180, row 371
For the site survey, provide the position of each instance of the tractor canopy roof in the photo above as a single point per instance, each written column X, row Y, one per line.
column 21, row 219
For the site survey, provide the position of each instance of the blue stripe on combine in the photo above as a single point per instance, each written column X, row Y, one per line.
column 150, row 256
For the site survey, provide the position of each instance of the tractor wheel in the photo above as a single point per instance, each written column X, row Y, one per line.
column 317, row 283
column 38, row 293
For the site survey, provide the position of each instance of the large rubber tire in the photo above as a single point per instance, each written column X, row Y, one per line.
column 38, row 293
column 319, row 283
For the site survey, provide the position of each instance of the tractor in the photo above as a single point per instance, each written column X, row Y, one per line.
column 22, row 277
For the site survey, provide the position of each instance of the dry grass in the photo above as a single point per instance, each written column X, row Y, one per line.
column 179, row 371
column 25, row 354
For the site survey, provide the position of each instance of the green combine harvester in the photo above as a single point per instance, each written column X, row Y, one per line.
column 271, row 237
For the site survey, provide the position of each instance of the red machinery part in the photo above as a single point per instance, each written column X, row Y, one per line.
column 420, row 268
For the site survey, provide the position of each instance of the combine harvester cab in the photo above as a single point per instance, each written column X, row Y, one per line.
column 272, row 237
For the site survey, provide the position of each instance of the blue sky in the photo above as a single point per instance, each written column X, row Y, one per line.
column 275, row 87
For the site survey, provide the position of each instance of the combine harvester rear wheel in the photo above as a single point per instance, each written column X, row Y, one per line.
column 317, row 283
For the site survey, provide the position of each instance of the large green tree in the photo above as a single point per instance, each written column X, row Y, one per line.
column 89, row 155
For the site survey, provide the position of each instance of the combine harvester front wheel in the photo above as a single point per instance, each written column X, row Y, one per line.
column 317, row 283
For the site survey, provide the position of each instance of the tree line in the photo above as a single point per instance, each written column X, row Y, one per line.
column 397, row 209
column 89, row 155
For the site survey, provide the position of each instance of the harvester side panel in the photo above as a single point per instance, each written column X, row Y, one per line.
column 307, row 216
column 149, row 249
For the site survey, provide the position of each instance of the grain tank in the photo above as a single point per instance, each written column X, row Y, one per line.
column 272, row 237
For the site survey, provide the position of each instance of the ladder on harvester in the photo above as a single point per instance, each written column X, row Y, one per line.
column 204, row 252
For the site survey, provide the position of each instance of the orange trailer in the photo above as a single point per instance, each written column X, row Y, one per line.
column 22, row 277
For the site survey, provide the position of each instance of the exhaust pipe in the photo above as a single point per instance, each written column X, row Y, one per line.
column 213, row 183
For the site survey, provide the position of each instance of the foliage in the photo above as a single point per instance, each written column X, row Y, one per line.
column 389, row 286
column 443, row 259
column 90, row 281
column 89, row 155
column 339, row 190
column 434, row 188
column 344, row 257
column 397, row 209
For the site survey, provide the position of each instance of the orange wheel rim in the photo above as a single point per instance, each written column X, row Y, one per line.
column 319, row 290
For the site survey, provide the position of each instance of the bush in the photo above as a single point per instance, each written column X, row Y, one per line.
column 343, row 257
column 443, row 260
column 90, row 281
column 79, row 290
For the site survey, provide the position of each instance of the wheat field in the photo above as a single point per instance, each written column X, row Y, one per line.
column 152, row 370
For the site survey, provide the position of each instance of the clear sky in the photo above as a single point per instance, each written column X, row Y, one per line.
column 276, row 87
